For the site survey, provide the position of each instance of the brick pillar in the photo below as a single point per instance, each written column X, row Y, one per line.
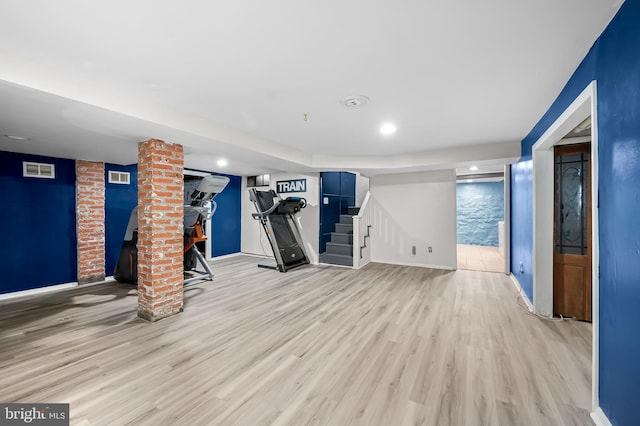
column 160, row 229
column 90, row 220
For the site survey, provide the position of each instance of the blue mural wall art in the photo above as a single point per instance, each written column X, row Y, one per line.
column 480, row 206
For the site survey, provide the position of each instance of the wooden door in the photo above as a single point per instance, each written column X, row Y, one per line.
column 572, row 232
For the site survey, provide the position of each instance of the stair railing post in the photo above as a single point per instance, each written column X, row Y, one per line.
column 356, row 242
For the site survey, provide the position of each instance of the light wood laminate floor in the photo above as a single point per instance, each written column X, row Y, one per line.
column 386, row 345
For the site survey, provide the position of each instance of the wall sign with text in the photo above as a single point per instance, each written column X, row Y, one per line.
column 293, row 185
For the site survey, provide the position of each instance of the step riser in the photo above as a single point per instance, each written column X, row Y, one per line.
column 353, row 211
column 336, row 259
column 342, row 228
column 346, row 219
column 345, row 250
column 341, row 238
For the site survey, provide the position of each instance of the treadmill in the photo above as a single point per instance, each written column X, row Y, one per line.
column 201, row 208
column 277, row 217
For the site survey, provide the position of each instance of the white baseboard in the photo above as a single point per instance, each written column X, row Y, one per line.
column 106, row 280
column 226, row 256
column 262, row 256
column 362, row 265
column 419, row 265
column 599, row 418
column 337, row 266
column 39, row 290
column 51, row 289
column 523, row 295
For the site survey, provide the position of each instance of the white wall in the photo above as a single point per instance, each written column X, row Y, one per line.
column 254, row 241
column 362, row 187
column 414, row 209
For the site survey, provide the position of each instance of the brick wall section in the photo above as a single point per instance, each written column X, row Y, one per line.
column 90, row 220
column 160, row 229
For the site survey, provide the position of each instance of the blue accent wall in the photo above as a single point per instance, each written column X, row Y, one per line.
column 225, row 224
column 614, row 62
column 121, row 199
column 522, row 224
column 119, row 202
column 339, row 188
column 38, row 221
column 479, row 208
column 37, row 224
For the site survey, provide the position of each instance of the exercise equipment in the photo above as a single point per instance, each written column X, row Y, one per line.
column 277, row 217
column 201, row 208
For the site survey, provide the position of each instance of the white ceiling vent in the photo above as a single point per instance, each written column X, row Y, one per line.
column 354, row 101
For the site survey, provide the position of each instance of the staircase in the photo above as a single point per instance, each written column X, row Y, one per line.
column 340, row 249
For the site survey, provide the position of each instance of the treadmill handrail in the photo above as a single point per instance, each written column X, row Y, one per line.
column 265, row 213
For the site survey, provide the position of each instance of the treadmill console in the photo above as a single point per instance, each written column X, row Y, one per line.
column 291, row 205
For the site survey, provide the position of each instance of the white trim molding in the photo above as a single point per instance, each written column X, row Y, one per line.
column 419, row 265
column 227, row 256
column 583, row 107
column 599, row 418
column 39, row 290
column 519, row 289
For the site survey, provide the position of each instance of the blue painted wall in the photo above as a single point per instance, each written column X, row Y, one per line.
column 119, row 202
column 225, row 224
column 37, row 224
column 339, row 188
column 614, row 62
column 522, row 224
column 479, row 208
column 121, row 199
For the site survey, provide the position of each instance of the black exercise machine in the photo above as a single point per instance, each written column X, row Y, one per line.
column 201, row 209
column 277, row 217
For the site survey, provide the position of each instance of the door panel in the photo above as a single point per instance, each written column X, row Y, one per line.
column 572, row 232
column 571, row 297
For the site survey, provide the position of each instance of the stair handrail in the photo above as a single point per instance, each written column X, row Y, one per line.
column 361, row 226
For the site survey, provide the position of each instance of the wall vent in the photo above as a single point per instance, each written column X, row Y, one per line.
column 260, row 180
column 38, row 170
column 122, row 178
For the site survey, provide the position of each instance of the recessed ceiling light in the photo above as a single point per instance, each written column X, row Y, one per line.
column 354, row 101
column 473, row 168
column 222, row 162
column 387, row 129
column 16, row 138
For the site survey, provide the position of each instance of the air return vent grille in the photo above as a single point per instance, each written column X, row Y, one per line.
column 122, row 178
column 38, row 170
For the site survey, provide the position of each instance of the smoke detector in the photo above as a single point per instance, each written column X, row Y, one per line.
column 354, row 101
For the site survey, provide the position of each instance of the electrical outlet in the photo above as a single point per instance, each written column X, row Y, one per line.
column 430, row 249
column 413, row 250
column 521, row 268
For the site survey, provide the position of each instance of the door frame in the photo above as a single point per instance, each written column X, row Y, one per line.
column 507, row 219
column 208, row 249
column 581, row 108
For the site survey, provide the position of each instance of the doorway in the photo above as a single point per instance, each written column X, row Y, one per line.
column 572, row 231
column 480, row 218
column 543, row 166
column 192, row 179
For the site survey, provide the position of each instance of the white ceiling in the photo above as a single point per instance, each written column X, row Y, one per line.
column 463, row 81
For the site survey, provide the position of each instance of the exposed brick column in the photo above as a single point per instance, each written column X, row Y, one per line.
column 160, row 229
column 90, row 220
